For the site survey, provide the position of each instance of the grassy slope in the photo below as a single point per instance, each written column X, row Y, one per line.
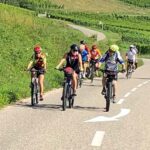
column 20, row 30
column 103, row 6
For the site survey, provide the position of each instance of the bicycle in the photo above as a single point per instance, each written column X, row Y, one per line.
column 91, row 70
column 130, row 69
column 34, row 87
column 67, row 88
column 110, row 76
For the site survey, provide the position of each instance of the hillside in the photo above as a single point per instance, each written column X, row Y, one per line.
column 104, row 6
column 20, row 31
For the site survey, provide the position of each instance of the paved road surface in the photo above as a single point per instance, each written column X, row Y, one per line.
column 47, row 127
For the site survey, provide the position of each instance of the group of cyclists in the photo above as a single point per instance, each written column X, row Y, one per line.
column 78, row 59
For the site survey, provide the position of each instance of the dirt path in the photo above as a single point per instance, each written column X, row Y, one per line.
column 89, row 32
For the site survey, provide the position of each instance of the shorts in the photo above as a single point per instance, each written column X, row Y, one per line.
column 40, row 71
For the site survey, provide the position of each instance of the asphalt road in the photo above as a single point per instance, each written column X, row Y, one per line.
column 87, row 126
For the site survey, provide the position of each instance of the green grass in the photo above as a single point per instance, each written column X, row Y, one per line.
column 20, row 30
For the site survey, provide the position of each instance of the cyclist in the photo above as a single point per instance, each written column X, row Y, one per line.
column 95, row 54
column 84, row 55
column 86, row 47
column 131, row 56
column 38, row 62
column 73, row 59
column 111, row 59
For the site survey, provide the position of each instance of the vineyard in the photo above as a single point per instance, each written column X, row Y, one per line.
column 133, row 29
column 140, row 3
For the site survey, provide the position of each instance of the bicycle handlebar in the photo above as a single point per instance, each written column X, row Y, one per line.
column 103, row 70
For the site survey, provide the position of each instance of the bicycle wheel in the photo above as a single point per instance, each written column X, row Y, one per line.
column 108, row 95
column 64, row 100
column 129, row 72
column 33, row 97
column 92, row 73
column 88, row 72
column 70, row 96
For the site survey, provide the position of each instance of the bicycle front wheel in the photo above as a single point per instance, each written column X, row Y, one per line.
column 64, row 100
column 108, row 95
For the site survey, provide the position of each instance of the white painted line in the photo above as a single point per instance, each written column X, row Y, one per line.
column 123, row 113
column 145, row 82
column 120, row 101
column 134, row 89
column 127, row 94
column 139, row 85
column 98, row 138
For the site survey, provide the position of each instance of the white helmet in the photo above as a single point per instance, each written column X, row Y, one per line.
column 132, row 46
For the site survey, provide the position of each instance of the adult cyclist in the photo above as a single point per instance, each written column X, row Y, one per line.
column 95, row 54
column 73, row 60
column 38, row 62
column 111, row 59
column 131, row 56
column 84, row 55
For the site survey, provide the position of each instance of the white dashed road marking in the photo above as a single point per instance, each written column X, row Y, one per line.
column 121, row 101
column 127, row 94
column 98, row 138
column 134, row 89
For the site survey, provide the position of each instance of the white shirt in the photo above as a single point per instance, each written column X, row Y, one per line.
column 131, row 54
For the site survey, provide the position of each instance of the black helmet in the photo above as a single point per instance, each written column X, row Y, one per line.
column 74, row 47
column 82, row 42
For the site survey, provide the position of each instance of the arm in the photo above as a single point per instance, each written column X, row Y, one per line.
column 80, row 62
column 30, row 65
column 61, row 61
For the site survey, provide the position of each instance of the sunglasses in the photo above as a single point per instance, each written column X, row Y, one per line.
column 111, row 51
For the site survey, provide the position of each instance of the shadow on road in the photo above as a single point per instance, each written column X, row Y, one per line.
column 88, row 108
column 40, row 106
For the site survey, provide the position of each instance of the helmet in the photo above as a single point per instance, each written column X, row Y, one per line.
column 82, row 42
column 94, row 46
column 74, row 47
column 37, row 49
column 114, row 48
column 132, row 46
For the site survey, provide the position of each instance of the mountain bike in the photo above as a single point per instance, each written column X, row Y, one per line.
column 130, row 69
column 110, row 76
column 67, row 95
column 34, row 87
column 91, row 70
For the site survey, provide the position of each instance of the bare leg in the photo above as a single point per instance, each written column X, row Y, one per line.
column 41, row 83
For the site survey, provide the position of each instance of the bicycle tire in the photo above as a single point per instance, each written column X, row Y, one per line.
column 32, row 96
column 129, row 72
column 92, row 74
column 70, row 92
column 64, row 101
column 108, row 96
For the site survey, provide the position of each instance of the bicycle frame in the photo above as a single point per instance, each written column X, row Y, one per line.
column 129, row 69
column 92, row 69
column 109, row 87
column 67, row 90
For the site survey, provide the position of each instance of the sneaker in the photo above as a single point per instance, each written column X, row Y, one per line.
column 41, row 98
column 103, row 91
column 74, row 93
column 114, row 99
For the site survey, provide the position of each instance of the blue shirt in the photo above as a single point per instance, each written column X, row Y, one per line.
column 84, row 54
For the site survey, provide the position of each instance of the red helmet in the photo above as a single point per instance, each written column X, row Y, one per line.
column 37, row 49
